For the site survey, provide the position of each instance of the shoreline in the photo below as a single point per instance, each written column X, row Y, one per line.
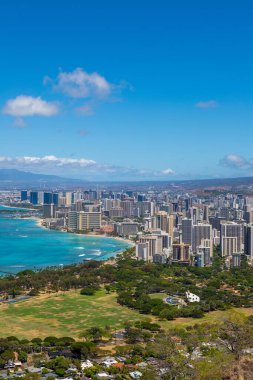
column 37, row 221
column 130, row 242
column 18, row 208
column 109, row 260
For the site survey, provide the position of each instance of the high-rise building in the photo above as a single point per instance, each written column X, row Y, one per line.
column 93, row 195
column 203, row 256
column 248, row 241
column 171, row 226
column 24, row 195
column 141, row 197
column 187, row 204
column 56, row 198
column 206, row 213
column 49, row 211
column 160, row 220
column 126, row 228
column 69, row 198
column 47, row 198
column 231, row 235
column 111, row 203
column 248, row 216
column 166, row 240
column 148, row 246
column 84, row 220
column 145, row 208
column 143, row 251
column 249, row 201
column 78, row 205
column 77, row 196
column 40, row 197
column 197, row 214
column 72, row 220
column 201, row 232
column 181, row 253
column 229, row 245
column 116, row 212
column 90, row 220
column 187, row 231
column 127, row 207
column 215, row 221
column 34, row 197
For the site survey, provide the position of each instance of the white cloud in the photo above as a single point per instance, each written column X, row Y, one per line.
column 207, row 104
column 48, row 163
column 80, row 167
column 236, row 161
column 80, row 84
column 24, row 105
column 51, row 164
column 87, row 90
column 168, row 171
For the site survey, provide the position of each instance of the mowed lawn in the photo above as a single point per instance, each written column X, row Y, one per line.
column 69, row 314
column 65, row 314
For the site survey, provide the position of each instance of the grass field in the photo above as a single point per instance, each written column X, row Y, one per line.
column 70, row 313
column 65, row 314
column 217, row 316
column 160, row 296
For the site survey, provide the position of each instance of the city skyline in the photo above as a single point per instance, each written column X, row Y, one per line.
column 146, row 91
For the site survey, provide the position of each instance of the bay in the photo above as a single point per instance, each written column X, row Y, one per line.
column 26, row 245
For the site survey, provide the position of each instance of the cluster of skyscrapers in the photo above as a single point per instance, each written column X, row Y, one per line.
column 167, row 227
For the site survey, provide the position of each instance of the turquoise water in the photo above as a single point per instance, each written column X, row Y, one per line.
column 23, row 245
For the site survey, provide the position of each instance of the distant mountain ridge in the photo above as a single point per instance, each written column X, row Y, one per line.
column 13, row 178
column 10, row 178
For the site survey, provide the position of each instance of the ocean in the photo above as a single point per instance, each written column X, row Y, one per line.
column 25, row 245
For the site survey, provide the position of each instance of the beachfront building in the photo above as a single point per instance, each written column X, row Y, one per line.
column 49, row 211
column 84, row 220
column 126, row 228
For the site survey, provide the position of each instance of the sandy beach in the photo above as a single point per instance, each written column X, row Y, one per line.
column 39, row 222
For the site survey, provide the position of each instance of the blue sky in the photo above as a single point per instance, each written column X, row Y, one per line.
column 127, row 89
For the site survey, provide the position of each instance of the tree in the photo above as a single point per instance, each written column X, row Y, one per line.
column 236, row 335
column 65, row 341
column 108, row 289
column 214, row 367
column 34, row 292
column 175, row 366
column 59, row 365
column 51, row 341
column 88, row 290
column 82, row 349
column 36, row 341
column 168, row 313
column 7, row 355
column 94, row 333
column 22, row 356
